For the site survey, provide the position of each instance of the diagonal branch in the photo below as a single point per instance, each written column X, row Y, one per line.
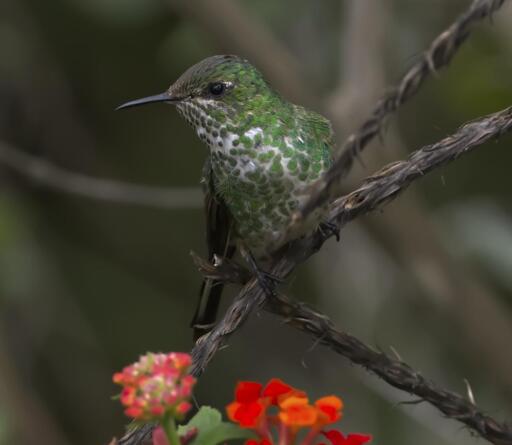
column 377, row 190
column 44, row 173
column 393, row 371
column 438, row 55
column 385, row 184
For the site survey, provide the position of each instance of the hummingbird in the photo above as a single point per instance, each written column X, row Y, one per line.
column 264, row 154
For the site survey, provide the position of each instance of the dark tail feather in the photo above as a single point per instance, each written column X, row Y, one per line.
column 207, row 307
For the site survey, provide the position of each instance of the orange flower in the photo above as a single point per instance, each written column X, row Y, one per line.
column 329, row 410
column 296, row 412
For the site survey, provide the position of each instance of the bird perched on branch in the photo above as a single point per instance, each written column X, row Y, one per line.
column 264, row 153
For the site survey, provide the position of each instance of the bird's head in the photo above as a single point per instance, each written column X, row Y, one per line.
column 220, row 90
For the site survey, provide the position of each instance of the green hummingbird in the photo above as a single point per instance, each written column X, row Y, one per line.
column 264, row 153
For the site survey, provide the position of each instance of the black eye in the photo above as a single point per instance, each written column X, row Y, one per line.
column 217, row 88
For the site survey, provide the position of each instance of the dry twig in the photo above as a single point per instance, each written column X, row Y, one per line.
column 438, row 55
column 49, row 175
column 478, row 297
column 393, row 371
column 377, row 190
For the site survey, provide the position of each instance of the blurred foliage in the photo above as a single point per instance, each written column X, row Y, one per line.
column 87, row 286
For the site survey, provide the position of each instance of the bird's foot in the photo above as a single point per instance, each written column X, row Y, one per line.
column 221, row 269
column 266, row 280
column 329, row 229
column 271, row 277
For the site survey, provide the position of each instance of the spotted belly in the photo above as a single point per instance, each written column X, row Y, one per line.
column 262, row 196
column 263, row 175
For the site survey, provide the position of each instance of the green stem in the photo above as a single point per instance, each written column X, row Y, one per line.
column 169, row 427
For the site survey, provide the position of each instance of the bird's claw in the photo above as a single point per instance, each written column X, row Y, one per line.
column 267, row 282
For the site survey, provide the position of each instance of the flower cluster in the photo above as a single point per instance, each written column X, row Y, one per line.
column 289, row 410
column 156, row 386
column 158, row 389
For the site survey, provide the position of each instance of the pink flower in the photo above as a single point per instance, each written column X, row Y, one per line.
column 156, row 385
column 159, row 437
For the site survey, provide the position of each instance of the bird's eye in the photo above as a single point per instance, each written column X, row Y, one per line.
column 217, row 88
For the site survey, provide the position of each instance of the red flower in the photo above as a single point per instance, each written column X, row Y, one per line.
column 294, row 413
column 247, row 415
column 247, row 392
column 337, row 438
column 248, row 408
column 275, row 389
column 258, row 442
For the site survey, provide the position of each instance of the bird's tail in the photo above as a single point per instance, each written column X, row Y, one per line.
column 207, row 307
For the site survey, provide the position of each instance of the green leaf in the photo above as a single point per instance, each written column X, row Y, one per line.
column 212, row 430
column 205, row 419
column 223, row 432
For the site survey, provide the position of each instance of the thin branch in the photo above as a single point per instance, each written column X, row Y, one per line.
column 461, row 294
column 438, row 55
column 393, row 371
column 272, row 58
column 375, row 191
column 384, row 185
column 46, row 174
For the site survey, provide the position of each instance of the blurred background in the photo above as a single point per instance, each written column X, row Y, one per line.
column 99, row 210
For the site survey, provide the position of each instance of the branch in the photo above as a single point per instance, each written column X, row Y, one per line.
column 378, row 189
column 395, row 372
column 479, row 297
column 392, row 179
column 438, row 55
column 375, row 191
column 44, row 173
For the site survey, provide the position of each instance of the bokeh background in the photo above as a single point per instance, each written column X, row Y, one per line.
column 87, row 283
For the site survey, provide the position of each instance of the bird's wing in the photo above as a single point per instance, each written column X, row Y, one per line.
column 314, row 125
column 322, row 129
column 218, row 218
column 218, row 238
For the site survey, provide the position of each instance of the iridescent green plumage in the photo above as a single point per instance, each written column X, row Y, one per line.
column 264, row 153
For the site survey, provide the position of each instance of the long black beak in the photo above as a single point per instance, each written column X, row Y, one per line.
column 164, row 97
